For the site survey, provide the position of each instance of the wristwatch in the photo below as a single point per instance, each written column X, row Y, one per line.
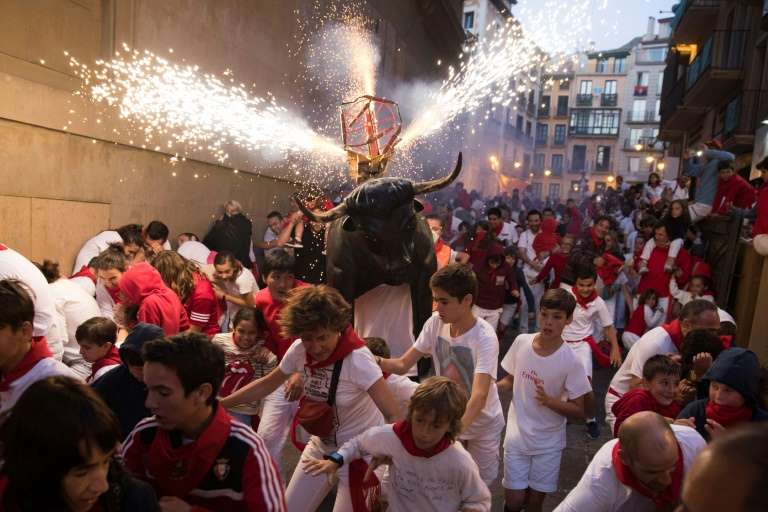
column 335, row 457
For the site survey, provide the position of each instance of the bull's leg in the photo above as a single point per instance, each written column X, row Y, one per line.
column 421, row 306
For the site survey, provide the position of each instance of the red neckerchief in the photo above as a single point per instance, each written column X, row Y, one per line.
column 674, row 331
column 497, row 231
column 178, row 470
column 583, row 301
column 727, row 415
column 38, row 351
column 348, row 342
column 726, row 340
column 662, row 500
column 403, row 432
column 597, row 242
column 2, row 247
column 84, row 272
column 111, row 358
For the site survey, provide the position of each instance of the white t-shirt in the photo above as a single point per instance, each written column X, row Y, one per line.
column 508, row 233
column 270, row 235
column 526, row 242
column 244, row 283
column 355, row 410
column 656, row 341
column 447, row 481
column 402, row 389
column 460, row 358
column 85, row 283
column 44, row 368
column 583, row 322
column 93, row 247
column 74, row 306
column 15, row 266
column 600, row 491
column 386, row 312
column 195, row 251
column 532, row 428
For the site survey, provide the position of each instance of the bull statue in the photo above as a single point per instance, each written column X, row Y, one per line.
column 376, row 237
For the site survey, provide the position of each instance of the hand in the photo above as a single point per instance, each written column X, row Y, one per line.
column 686, row 391
column 685, row 422
column 615, row 356
column 516, row 293
column 376, row 461
column 316, row 467
column 294, row 387
column 173, row 504
column 701, row 363
column 542, row 396
column 218, row 291
column 714, row 429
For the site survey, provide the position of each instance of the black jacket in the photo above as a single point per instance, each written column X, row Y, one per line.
column 232, row 234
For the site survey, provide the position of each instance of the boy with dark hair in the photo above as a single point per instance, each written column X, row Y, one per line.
column 156, row 236
column 423, row 450
column 97, row 337
column 531, row 269
column 590, row 309
column 466, row 349
column 110, row 265
column 505, row 232
column 548, row 386
column 24, row 358
column 658, row 393
column 191, row 450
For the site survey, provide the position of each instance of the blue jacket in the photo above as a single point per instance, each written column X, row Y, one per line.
column 705, row 172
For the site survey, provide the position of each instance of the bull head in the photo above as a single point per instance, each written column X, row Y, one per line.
column 422, row 187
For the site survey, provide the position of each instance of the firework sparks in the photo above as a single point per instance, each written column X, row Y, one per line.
column 180, row 105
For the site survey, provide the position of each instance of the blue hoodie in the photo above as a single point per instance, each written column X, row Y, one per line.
column 739, row 369
column 121, row 391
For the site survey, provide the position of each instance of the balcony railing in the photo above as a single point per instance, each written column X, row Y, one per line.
column 543, row 112
column 641, row 90
column 584, row 100
column 722, row 51
column 558, row 142
column 561, row 112
column 609, row 100
column 644, row 144
column 642, row 116
column 684, row 5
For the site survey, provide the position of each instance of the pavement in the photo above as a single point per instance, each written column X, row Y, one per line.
column 578, row 452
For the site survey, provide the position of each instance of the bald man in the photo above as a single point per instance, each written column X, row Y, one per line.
column 640, row 471
column 740, row 458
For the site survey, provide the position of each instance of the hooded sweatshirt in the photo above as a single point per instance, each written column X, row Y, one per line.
column 494, row 283
column 158, row 304
column 739, row 369
column 119, row 389
column 735, row 190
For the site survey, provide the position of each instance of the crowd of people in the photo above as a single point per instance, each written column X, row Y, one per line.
column 176, row 377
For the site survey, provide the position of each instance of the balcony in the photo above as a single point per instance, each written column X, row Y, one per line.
column 584, row 100
column 743, row 116
column 645, row 144
column 717, row 69
column 609, row 100
column 642, row 116
column 676, row 117
column 641, row 90
column 543, row 112
column 694, row 18
column 527, row 140
column 561, row 112
column 600, row 168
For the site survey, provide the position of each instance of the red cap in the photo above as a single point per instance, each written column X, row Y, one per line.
column 714, row 143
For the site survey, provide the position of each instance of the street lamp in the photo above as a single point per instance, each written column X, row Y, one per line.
column 518, row 165
column 638, row 147
column 649, row 159
column 547, row 172
column 660, row 166
column 610, row 179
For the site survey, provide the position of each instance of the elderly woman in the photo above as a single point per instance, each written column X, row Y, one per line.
column 344, row 392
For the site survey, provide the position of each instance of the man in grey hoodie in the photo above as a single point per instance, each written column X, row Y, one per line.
column 703, row 165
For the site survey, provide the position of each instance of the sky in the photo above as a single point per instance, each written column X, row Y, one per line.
column 629, row 17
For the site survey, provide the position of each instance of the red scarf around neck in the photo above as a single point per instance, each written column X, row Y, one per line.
column 674, row 331
column 583, row 301
column 85, row 271
column 348, row 342
column 111, row 358
column 38, row 351
column 663, row 500
column 178, row 470
column 727, row 415
column 405, row 434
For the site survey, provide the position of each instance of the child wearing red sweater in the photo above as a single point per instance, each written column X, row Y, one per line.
column 556, row 262
column 658, row 392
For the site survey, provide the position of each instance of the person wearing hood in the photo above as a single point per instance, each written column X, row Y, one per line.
column 142, row 286
column 123, row 389
column 734, row 387
column 494, row 280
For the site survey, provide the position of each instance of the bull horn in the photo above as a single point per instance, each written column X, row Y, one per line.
column 425, row 187
column 332, row 214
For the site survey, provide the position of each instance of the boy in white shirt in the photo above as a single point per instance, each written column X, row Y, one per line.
column 590, row 308
column 428, row 470
column 549, row 385
column 465, row 349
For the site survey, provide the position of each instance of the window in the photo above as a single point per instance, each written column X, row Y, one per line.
column 610, row 87
column 536, row 190
column 603, row 158
column 562, row 106
column 519, row 123
column 528, row 128
column 544, row 106
column 638, row 110
column 554, row 190
column 595, row 122
column 660, row 84
column 585, row 87
column 526, row 162
column 634, row 164
column 579, row 158
column 542, row 132
column 559, row 135
column 635, row 134
column 619, row 65
column 565, row 85
column 557, row 165
column 469, row 20
column 657, row 112
column 601, row 66
column 539, row 161
column 642, row 78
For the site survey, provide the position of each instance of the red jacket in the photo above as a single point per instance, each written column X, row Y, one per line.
column 761, row 224
column 737, row 191
column 637, row 400
column 557, row 262
column 202, row 307
column 494, row 283
column 271, row 308
column 656, row 278
column 142, row 285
